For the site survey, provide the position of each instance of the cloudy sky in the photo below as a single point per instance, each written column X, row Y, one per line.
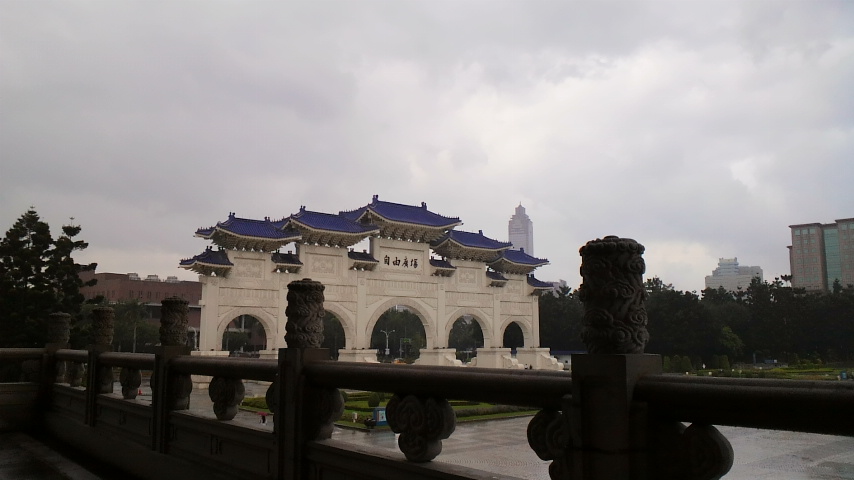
column 700, row 129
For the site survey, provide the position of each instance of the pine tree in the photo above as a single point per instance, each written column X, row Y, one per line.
column 38, row 276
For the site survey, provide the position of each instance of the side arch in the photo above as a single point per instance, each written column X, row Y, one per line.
column 481, row 318
column 268, row 321
column 417, row 307
column 524, row 324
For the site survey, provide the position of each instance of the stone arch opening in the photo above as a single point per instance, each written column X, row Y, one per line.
column 465, row 336
column 398, row 335
column 478, row 316
column 513, row 336
column 264, row 324
column 346, row 321
column 334, row 336
column 244, row 334
column 414, row 307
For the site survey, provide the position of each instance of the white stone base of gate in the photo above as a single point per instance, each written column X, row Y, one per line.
column 440, row 357
column 358, row 356
column 537, row 358
column 268, row 354
column 495, row 358
column 201, row 382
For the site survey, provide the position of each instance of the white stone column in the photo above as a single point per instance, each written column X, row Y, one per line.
column 360, row 341
column 497, row 334
column 535, row 322
column 209, row 315
column 439, row 357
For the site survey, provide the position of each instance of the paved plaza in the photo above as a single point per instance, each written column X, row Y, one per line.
column 498, row 446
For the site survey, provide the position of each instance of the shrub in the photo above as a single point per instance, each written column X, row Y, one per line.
column 723, row 362
column 668, row 366
column 374, row 400
column 255, row 402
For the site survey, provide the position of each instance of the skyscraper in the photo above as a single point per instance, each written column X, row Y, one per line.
column 520, row 231
column 821, row 254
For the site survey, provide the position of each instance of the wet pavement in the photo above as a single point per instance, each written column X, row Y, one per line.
column 500, row 446
column 497, row 446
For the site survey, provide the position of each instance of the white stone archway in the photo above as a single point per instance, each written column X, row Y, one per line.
column 254, row 286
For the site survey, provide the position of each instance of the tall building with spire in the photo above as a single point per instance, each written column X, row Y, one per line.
column 520, row 231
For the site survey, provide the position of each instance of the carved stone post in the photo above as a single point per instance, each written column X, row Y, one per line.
column 602, row 433
column 58, row 328
column 304, row 328
column 58, row 335
column 174, row 313
column 613, row 295
column 100, row 379
column 103, row 321
column 302, row 412
column 170, row 391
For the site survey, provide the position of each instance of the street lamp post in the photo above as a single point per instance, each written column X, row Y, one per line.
column 386, row 341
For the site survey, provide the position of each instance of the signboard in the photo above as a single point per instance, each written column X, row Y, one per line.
column 379, row 416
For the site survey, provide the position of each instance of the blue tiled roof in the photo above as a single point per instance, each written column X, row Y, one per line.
column 249, row 228
column 362, row 257
column 285, row 259
column 495, row 276
column 441, row 264
column 472, row 240
column 538, row 283
column 397, row 212
column 330, row 222
column 210, row 257
column 521, row 258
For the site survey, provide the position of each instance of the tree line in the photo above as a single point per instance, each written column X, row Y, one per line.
column 765, row 321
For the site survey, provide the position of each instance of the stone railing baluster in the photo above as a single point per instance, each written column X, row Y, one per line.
column 226, row 394
column 423, row 422
column 130, row 380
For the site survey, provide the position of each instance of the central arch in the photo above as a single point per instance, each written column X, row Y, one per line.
column 415, row 306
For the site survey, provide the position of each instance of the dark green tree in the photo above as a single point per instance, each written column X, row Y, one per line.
column 333, row 334
column 38, row 276
column 405, row 324
column 560, row 320
column 134, row 329
column 466, row 335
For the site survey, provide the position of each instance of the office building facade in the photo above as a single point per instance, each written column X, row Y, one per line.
column 731, row 276
column 821, row 254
